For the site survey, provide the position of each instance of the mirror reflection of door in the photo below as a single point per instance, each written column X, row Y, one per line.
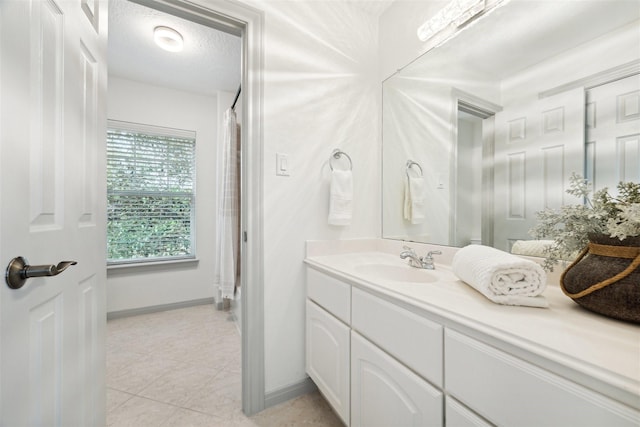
column 538, row 145
column 613, row 133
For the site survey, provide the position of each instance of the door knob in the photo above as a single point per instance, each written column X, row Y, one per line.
column 18, row 271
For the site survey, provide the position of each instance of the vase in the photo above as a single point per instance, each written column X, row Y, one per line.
column 605, row 278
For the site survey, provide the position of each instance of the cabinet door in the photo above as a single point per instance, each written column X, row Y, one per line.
column 385, row 393
column 459, row 416
column 327, row 358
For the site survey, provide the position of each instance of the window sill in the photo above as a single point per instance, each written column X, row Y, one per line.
column 151, row 265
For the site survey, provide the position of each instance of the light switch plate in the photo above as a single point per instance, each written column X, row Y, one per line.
column 282, row 164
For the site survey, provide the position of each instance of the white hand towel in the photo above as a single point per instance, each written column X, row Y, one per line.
column 340, row 197
column 531, row 247
column 414, row 200
column 406, row 207
column 501, row 277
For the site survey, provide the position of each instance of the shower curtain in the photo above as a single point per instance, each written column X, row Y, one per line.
column 228, row 242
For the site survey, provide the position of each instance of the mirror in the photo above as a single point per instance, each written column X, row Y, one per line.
column 499, row 116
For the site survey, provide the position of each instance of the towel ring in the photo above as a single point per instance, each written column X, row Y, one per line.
column 410, row 164
column 336, row 154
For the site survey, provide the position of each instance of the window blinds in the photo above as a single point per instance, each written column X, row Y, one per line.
column 151, row 195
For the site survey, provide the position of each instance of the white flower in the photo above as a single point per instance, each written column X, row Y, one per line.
column 626, row 223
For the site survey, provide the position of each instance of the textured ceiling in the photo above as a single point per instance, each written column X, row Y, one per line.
column 209, row 62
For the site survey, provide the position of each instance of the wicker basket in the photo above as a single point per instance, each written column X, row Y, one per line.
column 605, row 278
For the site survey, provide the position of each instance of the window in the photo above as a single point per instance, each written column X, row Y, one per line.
column 150, row 193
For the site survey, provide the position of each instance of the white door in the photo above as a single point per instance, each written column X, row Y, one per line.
column 52, row 198
column 613, row 133
column 538, row 145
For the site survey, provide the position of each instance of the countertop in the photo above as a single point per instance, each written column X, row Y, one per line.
column 593, row 350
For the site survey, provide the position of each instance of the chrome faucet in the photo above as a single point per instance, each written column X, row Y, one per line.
column 425, row 262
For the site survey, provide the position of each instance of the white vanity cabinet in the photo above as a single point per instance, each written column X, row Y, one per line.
column 380, row 380
column 383, row 361
column 327, row 356
column 509, row 391
column 386, row 393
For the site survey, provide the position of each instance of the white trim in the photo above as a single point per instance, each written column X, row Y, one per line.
column 485, row 109
column 597, row 79
column 157, row 308
column 237, row 18
column 253, row 351
column 145, row 263
column 150, row 129
column 289, row 392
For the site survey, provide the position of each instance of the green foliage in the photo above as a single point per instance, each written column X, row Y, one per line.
column 143, row 227
column 571, row 225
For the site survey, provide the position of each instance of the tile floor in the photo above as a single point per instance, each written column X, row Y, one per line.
column 182, row 368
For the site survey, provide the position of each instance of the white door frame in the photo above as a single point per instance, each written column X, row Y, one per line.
column 485, row 109
column 237, row 18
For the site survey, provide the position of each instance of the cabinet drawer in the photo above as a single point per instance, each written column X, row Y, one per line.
column 412, row 339
column 327, row 358
column 511, row 392
column 385, row 393
column 330, row 293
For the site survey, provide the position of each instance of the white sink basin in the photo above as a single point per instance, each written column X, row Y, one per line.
column 397, row 273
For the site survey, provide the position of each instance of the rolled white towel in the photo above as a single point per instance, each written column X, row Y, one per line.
column 501, row 277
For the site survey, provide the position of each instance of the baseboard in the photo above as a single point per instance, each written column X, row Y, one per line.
column 283, row 394
column 156, row 308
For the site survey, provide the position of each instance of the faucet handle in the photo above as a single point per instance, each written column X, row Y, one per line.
column 431, row 253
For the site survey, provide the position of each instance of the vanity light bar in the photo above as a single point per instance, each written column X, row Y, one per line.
column 456, row 13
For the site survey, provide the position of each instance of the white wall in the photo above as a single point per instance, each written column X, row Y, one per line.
column 611, row 50
column 136, row 287
column 399, row 43
column 321, row 92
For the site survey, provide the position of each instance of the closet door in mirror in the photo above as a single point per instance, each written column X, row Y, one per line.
column 538, row 144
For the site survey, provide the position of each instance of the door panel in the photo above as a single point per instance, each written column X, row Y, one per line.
column 537, row 147
column 52, row 198
column 45, row 80
column 613, row 133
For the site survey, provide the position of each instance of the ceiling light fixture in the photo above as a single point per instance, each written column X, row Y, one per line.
column 168, row 39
